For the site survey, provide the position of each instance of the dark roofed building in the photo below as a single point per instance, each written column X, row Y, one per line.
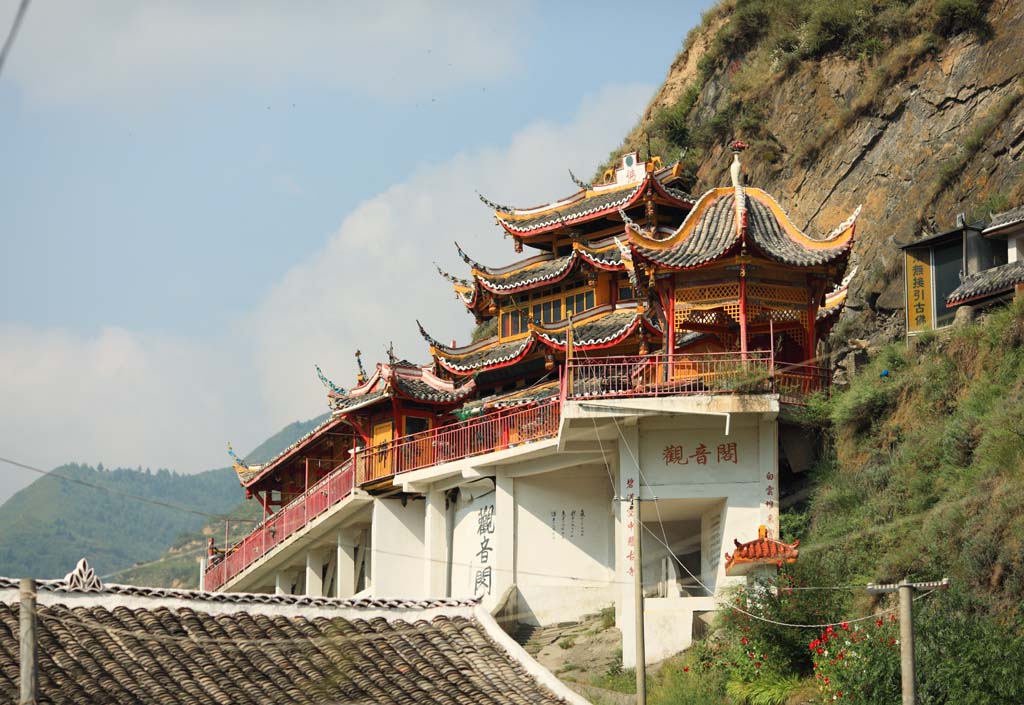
column 118, row 644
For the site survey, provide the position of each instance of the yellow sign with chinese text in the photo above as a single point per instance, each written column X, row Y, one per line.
column 918, row 273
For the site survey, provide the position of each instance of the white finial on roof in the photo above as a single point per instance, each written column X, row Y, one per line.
column 735, row 168
column 83, row 579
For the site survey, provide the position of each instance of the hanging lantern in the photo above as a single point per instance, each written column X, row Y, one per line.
column 644, row 349
column 492, row 308
column 549, row 361
column 518, row 244
column 591, row 278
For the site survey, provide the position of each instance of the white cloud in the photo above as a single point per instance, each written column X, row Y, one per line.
column 125, row 398
column 375, row 277
column 118, row 398
column 135, row 52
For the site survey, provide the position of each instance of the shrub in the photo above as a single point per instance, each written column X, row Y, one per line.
column 955, row 16
column 567, row 643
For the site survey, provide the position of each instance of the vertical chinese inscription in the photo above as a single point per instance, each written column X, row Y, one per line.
column 483, row 579
column 918, row 274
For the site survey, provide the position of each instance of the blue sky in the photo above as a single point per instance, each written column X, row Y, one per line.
column 204, row 199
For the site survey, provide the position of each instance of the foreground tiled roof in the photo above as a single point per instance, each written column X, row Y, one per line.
column 101, row 647
column 710, row 231
column 599, row 328
column 761, row 551
column 990, row 282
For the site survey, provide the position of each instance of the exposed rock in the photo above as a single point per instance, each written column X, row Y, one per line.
column 892, row 158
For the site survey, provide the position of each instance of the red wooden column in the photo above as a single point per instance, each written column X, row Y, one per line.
column 743, row 311
column 813, row 294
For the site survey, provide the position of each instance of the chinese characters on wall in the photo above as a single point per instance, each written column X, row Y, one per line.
column 771, row 487
column 632, row 522
column 568, row 523
column 680, row 455
column 484, row 577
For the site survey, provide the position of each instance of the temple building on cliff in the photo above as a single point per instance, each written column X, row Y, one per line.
column 629, row 390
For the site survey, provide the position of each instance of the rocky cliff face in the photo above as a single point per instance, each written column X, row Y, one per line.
column 916, row 135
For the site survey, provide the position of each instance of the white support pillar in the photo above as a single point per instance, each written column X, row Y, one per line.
column 283, row 583
column 437, row 552
column 504, row 534
column 314, row 573
column 202, row 573
column 345, row 563
column 628, row 527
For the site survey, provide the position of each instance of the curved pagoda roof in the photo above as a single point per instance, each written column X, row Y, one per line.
column 535, row 272
column 724, row 219
column 400, row 379
column 627, row 187
column 599, row 328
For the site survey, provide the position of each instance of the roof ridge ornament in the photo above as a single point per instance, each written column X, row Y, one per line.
column 326, row 382
column 631, row 225
column 451, row 277
column 582, row 184
column 361, row 378
column 469, row 260
column 234, row 456
column 430, row 340
column 83, row 579
column 494, row 206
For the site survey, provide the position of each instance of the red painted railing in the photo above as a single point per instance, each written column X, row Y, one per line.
column 488, row 433
column 754, row 372
column 334, row 487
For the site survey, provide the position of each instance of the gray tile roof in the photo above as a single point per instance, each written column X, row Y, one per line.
column 991, row 281
column 714, row 234
column 485, row 356
column 551, row 270
column 1014, row 215
column 573, row 211
column 597, row 330
column 418, row 389
column 107, row 647
column 712, row 237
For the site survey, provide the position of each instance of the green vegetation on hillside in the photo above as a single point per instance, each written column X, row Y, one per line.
column 923, row 477
column 758, row 43
column 47, row 527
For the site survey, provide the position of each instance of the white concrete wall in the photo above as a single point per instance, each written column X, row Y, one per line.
column 397, row 548
column 564, row 552
column 475, row 542
column 668, row 625
column 1014, row 245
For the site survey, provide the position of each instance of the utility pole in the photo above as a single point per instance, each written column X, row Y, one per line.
column 906, row 590
column 27, row 641
column 638, row 602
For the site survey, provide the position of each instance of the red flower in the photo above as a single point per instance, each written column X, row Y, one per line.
column 878, row 622
column 845, row 626
column 744, row 640
column 821, row 651
column 686, row 669
column 892, row 618
column 757, row 664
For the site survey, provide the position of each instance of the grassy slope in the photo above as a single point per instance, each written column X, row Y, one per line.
column 48, row 526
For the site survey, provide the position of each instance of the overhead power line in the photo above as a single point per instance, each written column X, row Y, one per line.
column 13, row 33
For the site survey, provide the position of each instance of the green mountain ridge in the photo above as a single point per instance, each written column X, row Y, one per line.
column 81, row 511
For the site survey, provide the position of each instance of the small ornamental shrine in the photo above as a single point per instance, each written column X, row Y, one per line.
column 761, row 552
